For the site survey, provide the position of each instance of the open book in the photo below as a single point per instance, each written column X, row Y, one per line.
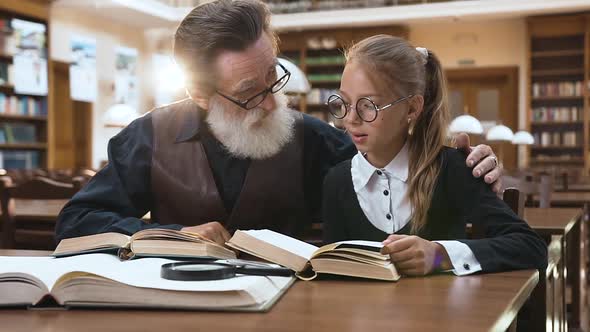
column 147, row 243
column 102, row 280
column 351, row 258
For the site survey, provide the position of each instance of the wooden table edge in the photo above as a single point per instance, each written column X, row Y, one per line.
column 509, row 314
column 574, row 220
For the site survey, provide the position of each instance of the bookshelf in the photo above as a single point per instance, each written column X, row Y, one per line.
column 302, row 6
column 319, row 54
column 557, row 93
column 23, row 114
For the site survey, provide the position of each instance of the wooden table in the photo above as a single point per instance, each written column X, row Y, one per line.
column 580, row 187
column 566, row 222
column 487, row 302
column 552, row 221
column 35, row 222
column 567, row 199
column 579, row 199
column 46, row 209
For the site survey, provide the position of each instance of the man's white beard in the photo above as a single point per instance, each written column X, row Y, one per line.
column 249, row 134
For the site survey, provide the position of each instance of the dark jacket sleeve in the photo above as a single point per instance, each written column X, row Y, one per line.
column 509, row 242
column 118, row 195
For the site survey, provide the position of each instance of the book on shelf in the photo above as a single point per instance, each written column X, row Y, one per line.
column 22, row 105
column 156, row 242
column 349, row 258
column 7, row 42
column 20, row 133
column 558, row 138
column 325, row 77
column 4, row 26
column 102, row 280
column 558, row 89
column 565, row 160
column 20, row 159
column 326, row 60
column 282, row 6
column 557, row 114
column 6, row 74
column 289, row 7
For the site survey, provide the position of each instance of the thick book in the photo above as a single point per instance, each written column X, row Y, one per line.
column 147, row 243
column 102, row 280
column 350, row 258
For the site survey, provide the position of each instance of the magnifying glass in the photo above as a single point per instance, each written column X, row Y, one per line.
column 198, row 271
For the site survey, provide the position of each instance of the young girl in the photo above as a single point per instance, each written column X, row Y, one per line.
column 406, row 188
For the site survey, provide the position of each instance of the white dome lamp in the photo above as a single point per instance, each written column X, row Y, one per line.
column 298, row 82
column 523, row 138
column 466, row 124
column 500, row 133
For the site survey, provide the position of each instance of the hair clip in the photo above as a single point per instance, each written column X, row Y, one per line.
column 424, row 52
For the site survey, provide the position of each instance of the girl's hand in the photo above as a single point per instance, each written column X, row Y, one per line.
column 412, row 255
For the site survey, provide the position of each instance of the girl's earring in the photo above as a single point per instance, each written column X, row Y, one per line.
column 410, row 127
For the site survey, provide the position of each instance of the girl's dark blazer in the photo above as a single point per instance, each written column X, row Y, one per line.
column 458, row 199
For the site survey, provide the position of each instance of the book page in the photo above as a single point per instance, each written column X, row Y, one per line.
column 373, row 244
column 40, row 267
column 144, row 272
column 170, row 234
column 285, row 242
column 366, row 248
column 91, row 242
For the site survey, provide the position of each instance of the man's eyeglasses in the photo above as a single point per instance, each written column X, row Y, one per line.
column 257, row 99
column 366, row 109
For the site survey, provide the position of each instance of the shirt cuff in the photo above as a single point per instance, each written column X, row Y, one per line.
column 462, row 258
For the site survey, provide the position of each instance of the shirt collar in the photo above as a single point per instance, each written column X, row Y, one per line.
column 362, row 170
column 191, row 119
column 398, row 167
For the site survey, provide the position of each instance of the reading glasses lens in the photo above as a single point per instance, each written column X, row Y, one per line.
column 190, row 271
column 194, row 271
column 199, row 267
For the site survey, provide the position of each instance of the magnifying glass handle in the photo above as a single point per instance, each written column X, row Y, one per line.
column 260, row 271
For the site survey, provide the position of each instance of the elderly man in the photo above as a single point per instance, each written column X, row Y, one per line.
column 232, row 155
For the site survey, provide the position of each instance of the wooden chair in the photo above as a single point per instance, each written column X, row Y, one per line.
column 86, row 172
column 515, row 199
column 555, row 286
column 551, row 287
column 82, row 175
column 314, row 234
column 30, row 209
column 66, row 175
column 525, row 184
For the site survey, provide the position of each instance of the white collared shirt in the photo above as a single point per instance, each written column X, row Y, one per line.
column 382, row 196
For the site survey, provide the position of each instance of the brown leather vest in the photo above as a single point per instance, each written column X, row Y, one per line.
column 185, row 191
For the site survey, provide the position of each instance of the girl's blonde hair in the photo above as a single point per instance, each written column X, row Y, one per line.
column 393, row 61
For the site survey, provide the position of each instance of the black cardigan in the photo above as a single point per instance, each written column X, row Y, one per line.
column 458, row 198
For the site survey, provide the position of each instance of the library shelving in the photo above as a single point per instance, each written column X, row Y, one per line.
column 23, row 114
column 320, row 55
column 557, row 93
